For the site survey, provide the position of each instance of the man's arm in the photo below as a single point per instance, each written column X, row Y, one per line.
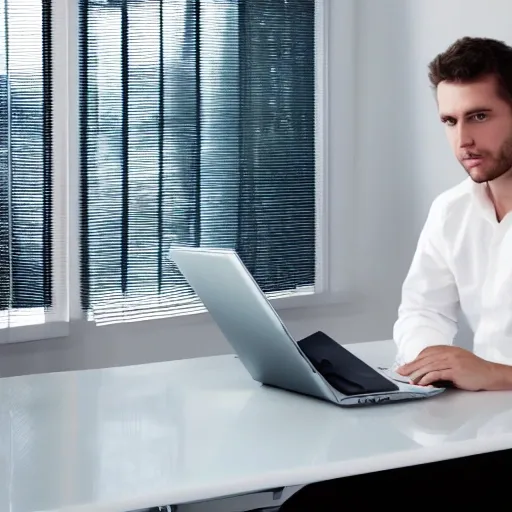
column 501, row 378
column 429, row 307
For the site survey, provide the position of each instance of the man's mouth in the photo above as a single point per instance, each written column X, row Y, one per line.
column 471, row 156
column 472, row 160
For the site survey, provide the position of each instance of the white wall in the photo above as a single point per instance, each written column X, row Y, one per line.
column 388, row 155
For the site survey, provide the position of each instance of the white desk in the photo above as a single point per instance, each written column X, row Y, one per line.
column 121, row 439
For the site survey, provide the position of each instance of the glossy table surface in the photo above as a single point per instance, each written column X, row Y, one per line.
column 120, row 439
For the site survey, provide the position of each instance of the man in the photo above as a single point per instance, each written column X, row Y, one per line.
column 464, row 254
column 463, row 261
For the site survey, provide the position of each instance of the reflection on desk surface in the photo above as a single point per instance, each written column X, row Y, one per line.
column 457, row 416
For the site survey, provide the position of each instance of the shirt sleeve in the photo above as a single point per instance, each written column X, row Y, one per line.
column 430, row 302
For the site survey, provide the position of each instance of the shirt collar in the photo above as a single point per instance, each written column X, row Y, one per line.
column 482, row 200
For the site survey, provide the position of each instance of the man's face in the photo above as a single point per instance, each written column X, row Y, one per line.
column 479, row 127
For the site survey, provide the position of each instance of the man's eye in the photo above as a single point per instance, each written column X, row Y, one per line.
column 449, row 122
column 480, row 117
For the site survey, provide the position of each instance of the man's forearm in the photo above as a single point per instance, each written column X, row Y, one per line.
column 502, row 377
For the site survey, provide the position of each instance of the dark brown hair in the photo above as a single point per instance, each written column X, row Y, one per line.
column 472, row 58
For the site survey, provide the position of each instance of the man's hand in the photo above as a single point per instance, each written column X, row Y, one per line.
column 463, row 368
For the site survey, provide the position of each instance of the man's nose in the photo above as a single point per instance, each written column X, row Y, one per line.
column 465, row 138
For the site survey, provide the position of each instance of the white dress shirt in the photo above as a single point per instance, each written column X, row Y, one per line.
column 463, row 262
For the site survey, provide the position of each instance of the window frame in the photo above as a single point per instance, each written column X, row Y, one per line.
column 332, row 270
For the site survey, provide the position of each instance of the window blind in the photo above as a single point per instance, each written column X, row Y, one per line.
column 25, row 162
column 197, row 128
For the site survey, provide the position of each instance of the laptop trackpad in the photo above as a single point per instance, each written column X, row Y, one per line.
column 343, row 370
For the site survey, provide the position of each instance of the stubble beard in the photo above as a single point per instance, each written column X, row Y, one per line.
column 501, row 165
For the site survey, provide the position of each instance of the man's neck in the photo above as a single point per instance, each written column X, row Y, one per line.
column 500, row 193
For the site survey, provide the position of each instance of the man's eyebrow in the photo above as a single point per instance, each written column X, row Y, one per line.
column 469, row 113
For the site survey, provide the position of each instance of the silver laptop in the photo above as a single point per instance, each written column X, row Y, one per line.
column 263, row 344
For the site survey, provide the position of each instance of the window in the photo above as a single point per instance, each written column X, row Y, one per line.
column 197, row 122
column 197, row 128
column 31, row 289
